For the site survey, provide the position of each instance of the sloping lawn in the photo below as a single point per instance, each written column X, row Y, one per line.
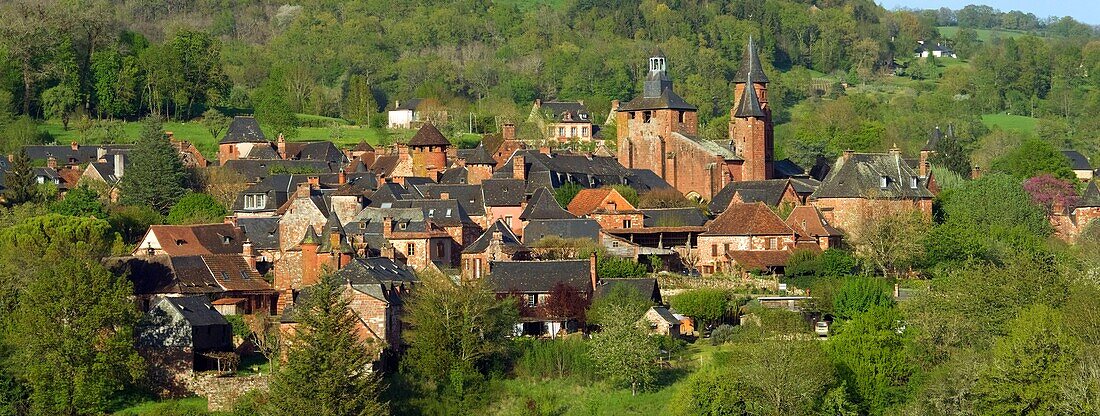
column 1021, row 124
column 188, row 406
column 984, row 35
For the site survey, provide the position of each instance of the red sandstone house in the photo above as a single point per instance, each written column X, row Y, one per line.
column 216, row 276
column 425, row 156
column 563, row 121
column 658, row 130
column 812, row 230
column 744, row 238
column 1069, row 222
column 607, row 207
column 185, row 240
column 859, row 185
column 498, row 243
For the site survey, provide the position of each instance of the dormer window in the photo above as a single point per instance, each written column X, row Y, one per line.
column 913, row 181
column 883, row 180
column 181, row 242
column 255, row 201
column 402, row 226
column 611, row 206
column 226, row 239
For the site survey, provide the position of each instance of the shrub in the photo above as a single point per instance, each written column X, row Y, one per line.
column 196, row 208
column 559, row 358
column 722, row 334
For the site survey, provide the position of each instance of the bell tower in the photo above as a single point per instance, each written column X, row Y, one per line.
column 751, row 126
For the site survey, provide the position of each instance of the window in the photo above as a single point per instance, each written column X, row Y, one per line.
column 508, row 220
column 646, row 116
column 255, row 201
column 431, row 213
column 561, row 131
column 773, row 243
column 682, row 114
column 584, row 131
column 226, row 239
column 726, row 247
column 913, row 182
column 714, row 250
column 532, row 300
column 402, row 226
column 572, row 132
column 611, row 206
column 626, row 223
column 448, row 213
column 882, row 182
column 439, row 249
column 410, row 249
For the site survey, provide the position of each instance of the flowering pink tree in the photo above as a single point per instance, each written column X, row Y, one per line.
column 1049, row 191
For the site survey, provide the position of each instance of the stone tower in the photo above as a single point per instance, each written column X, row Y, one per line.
column 751, row 119
column 428, row 148
column 646, row 123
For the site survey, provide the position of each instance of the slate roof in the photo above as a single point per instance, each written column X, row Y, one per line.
column 933, row 139
column 558, row 111
column 480, row 156
column 749, row 106
column 265, row 151
column 750, row 66
column 725, row 150
column 243, row 129
column 1077, row 161
column 362, row 146
column 538, row 276
column 759, row 259
column 182, row 240
column 278, row 189
column 444, row 212
column 860, row 177
column 673, row 217
column 322, row 150
column 409, row 104
column 768, row 191
column 807, row 221
column 455, row 175
column 565, row 228
column 747, row 219
column 389, row 192
column 81, row 155
column 543, row 206
column 196, row 310
column 786, row 168
column 509, row 242
column 376, row 277
column 645, row 286
column 503, row 192
column 668, row 99
column 664, row 313
column 588, row 171
column 256, row 169
column 262, row 232
column 385, row 164
column 470, row 197
column 804, row 185
column 204, row 274
column 357, row 185
column 1091, row 197
column 428, row 135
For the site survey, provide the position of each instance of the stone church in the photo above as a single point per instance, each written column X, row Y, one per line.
column 659, row 131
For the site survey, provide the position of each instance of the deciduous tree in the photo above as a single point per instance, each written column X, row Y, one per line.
column 622, row 350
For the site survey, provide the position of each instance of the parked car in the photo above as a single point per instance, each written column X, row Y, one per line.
column 821, row 328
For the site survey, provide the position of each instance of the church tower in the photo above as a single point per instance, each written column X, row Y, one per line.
column 646, row 123
column 750, row 127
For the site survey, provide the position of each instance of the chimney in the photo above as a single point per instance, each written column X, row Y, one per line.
column 848, row 154
column 313, row 181
column 444, row 195
column 303, row 190
column 895, row 151
column 230, row 219
column 388, row 252
column 74, row 145
column 508, row 130
column 518, row 167
column 387, row 227
column 249, row 254
column 592, row 270
column 614, row 105
column 281, row 146
column 120, row 165
column 976, row 172
column 925, row 165
column 544, row 150
column 341, row 177
column 51, row 162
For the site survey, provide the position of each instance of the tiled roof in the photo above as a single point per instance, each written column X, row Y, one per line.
column 860, row 176
column 409, row 104
column 543, row 206
column 204, row 274
column 1091, row 198
column 807, row 221
column 428, row 135
column 568, row 111
column 243, row 129
column 182, row 240
column 589, row 200
column 748, row 219
column 538, row 276
column 668, row 99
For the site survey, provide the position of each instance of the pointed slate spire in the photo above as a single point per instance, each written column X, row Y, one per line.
column 311, row 237
column 656, row 80
column 750, row 104
column 933, row 140
column 750, row 64
column 1091, row 198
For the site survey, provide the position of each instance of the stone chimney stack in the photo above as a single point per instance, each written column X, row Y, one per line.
column 592, row 270
column 444, row 195
column 341, row 177
column 120, row 165
column 75, row 146
column 848, row 154
column 51, row 162
column 303, row 190
column 387, row 227
column 518, row 167
column 249, row 254
column 614, row 105
column 280, row 144
column 314, row 181
column 508, row 131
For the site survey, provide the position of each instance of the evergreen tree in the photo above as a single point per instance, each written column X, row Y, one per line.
column 359, row 103
column 72, row 334
column 327, row 370
column 155, row 177
column 273, row 108
column 80, row 202
column 951, row 155
column 19, row 180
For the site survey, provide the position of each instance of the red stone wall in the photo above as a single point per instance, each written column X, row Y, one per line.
column 428, row 161
column 845, row 213
column 617, row 219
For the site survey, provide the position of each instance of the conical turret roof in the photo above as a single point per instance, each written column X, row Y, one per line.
column 750, row 65
column 749, row 106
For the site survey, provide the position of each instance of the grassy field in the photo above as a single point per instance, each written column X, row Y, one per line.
column 190, row 405
column 1022, row 124
column 984, row 35
column 196, row 133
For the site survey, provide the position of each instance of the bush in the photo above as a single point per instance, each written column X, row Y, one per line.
column 196, row 208
column 609, row 267
column 860, row 294
column 723, row 334
column 559, row 358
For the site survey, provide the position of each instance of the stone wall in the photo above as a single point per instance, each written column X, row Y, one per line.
column 222, row 393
